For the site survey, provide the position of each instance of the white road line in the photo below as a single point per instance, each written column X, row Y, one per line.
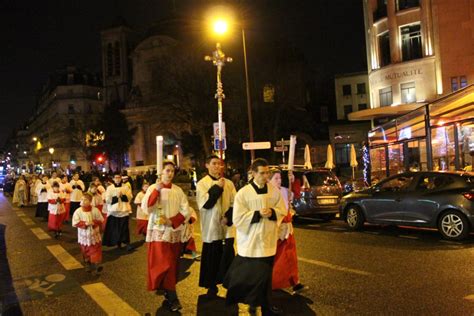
column 338, row 228
column 68, row 261
column 110, row 302
column 450, row 242
column 372, row 233
column 334, row 267
column 470, row 297
column 314, row 225
column 40, row 233
column 408, row 237
column 27, row 221
column 20, row 213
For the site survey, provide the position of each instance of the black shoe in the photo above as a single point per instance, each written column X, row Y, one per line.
column 272, row 311
column 88, row 266
column 119, row 245
column 129, row 247
column 299, row 288
column 175, row 306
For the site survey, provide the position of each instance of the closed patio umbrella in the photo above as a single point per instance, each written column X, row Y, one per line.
column 307, row 158
column 354, row 162
column 330, row 158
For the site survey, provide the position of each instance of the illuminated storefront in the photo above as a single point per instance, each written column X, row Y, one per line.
column 435, row 136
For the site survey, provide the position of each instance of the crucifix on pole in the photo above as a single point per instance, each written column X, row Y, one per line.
column 219, row 59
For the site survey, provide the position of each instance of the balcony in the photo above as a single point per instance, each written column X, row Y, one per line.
column 407, row 4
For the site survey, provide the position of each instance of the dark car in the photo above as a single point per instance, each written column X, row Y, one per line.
column 317, row 193
column 442, row 200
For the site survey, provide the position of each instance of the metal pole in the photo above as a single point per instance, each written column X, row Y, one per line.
column 429, row 149
column 247, row 87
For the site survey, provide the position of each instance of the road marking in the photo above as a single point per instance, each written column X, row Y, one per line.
column 40, row 233
column 451, row 242
column 20, row 213
column 68, row 261
column 110, row 302
column 408, row 237
column 334, row 266
column 314, row 225
column 338, row 228
column 27, row 221
column 470, row 297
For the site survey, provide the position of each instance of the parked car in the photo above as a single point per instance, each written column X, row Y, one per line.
column 317, row 193
column 442, row 200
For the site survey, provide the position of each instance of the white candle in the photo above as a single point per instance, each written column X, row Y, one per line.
column 159, row 155
column 291, row 154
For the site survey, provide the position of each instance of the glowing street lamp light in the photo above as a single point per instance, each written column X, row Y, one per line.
column 35, row 139
column 51, row 150
column 220, row 27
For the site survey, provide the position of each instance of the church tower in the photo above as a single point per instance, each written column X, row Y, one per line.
column 116, row 64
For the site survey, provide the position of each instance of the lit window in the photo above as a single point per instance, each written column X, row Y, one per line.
column 408, row 92
column 385, row 96
column 411, row 42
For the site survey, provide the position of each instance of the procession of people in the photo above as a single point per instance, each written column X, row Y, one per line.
column 248, row 243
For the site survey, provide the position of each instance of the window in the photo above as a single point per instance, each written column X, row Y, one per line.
column 110, row 61
column 454, row 84
column 361, row 88
column 346, row 89
column 401, row 183
column 408, row 92
column 384, row 49
column 463, row 81
column 117, row 58
column 411, row 42
column 433, row 182
column 406, row 4
column 385, row 96
column 72, row 123
column 70, row 109
column 362, row 106
column 347, row 110
column 381, row 10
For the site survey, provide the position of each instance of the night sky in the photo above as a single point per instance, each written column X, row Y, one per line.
column 39, row 37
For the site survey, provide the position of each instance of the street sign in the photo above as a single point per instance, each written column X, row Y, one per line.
column 256, row 145
column 280, row 149
column 285, row 143
column 216, row 129
column 216, row 144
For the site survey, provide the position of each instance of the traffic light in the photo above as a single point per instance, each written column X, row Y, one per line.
column 100, row 159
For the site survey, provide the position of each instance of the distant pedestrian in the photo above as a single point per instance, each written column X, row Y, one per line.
column 78, row 188
column 66, row 188
column 88, row 220
column 118, row 197
column 56, row 209
column 42, row 192
column 142, row 216
column 20, row 194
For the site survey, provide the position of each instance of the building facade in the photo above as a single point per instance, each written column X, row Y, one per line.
column 417, row 50
column 69, row 105
column 352, row 93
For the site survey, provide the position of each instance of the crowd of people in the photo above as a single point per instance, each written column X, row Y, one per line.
column 255, row 220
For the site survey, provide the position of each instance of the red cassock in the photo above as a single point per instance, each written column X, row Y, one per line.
column 142, row 226
column 67, row 207
column 55, row 221
column 92, row 252
column 285, row 267
column 163, row 257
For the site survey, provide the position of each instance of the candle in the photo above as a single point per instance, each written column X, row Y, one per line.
column 291, row 154
column 159, row 155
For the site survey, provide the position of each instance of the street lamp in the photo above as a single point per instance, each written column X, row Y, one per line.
column 219, row 59
column 51, row 151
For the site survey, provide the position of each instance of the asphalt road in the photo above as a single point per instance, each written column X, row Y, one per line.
column 381, row 271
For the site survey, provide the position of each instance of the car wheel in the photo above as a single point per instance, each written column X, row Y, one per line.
column 453, row 225
column 354, row 217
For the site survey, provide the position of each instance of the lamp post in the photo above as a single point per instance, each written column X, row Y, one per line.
column 247, row 89
column 219, row 59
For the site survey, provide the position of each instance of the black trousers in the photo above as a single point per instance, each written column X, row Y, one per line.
column 74, row 207
column 216, row 258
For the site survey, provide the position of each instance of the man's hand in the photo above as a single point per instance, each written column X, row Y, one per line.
column 221, row 182
column 164, row 221
column 224, row 221
column 266, row 212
